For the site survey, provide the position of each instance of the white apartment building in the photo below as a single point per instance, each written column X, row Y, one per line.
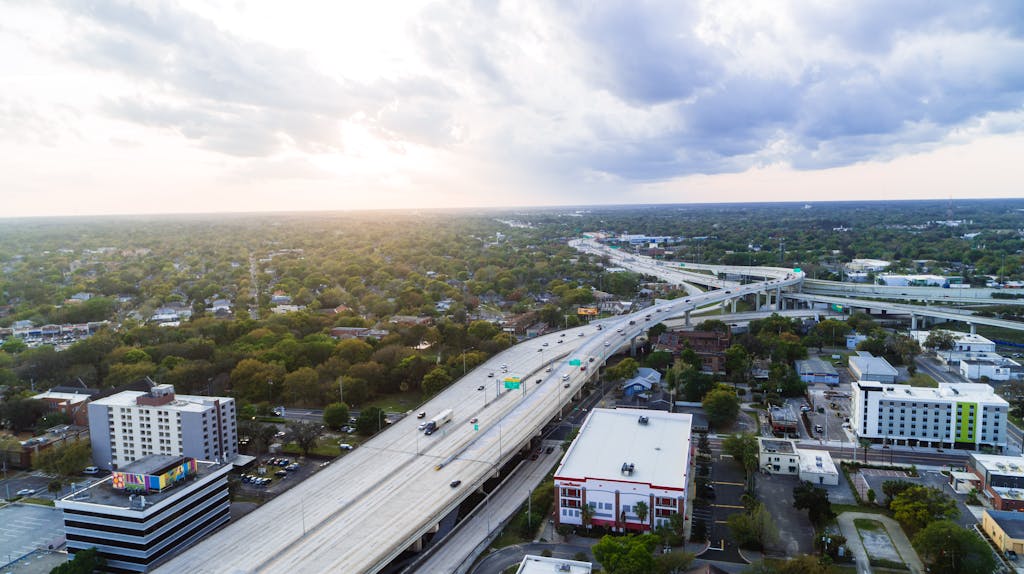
column 961, row 416
column 620, row 459
column 133, row 424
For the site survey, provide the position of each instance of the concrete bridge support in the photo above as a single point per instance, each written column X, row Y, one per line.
column 686, row 322
column 632, row 347
column 733, row 302
column 974, row 328
column 778, row 299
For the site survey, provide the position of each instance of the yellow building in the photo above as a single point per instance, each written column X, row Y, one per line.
column 1005, row 528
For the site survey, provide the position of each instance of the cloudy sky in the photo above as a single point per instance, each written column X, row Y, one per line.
column 161, row 107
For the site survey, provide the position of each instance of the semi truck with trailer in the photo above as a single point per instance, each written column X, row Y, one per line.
column 437, row 422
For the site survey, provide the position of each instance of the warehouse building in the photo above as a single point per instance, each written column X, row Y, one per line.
column 817, row 371
column 867, row 367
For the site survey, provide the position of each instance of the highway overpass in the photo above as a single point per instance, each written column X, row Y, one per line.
column 362, row 511
column 913, row 311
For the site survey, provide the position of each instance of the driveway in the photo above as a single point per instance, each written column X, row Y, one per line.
column 899, row 540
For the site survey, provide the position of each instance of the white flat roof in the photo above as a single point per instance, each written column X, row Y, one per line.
column 658, row 450
column 532, row 564
column 69, row 397
column 959, row 392
column 1000, row 464
column 867, row 364
column 958, row 336
column 190, row 403
column 816, row 461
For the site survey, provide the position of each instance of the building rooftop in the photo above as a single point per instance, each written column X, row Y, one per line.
column 868, row 364
column 183, row 403
column 103, row 492
column 961, row 392
column 532, row 564
column 958, row 336
column 776, row 445
column 71, row 398
column 784, row 413
column 817, row 461
column 1011, row 522
column 815, row 365
column 999, row 464
column 655, row 443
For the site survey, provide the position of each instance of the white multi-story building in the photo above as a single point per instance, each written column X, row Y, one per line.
column 133, row 424
column 620, row 459
column 967, row 415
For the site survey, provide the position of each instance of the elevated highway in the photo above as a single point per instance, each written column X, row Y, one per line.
column 915, row 312
column 364, row 510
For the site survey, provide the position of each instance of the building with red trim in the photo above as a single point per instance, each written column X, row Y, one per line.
column 630, row 467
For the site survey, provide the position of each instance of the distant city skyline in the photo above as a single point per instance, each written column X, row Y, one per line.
column 114, row 108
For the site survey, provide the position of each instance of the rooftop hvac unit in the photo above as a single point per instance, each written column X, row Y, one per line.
column 1014, row 466
column 563, row 568
column 643, row 420
column 1000, row 466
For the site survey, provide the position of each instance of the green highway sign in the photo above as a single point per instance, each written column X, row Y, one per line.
column 574, row 363
column 796, row 270
column 476, row 426
column 512, row 384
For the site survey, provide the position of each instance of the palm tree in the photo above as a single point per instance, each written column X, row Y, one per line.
column 587, row 515
column 641, row 511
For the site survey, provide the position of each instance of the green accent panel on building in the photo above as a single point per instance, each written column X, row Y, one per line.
column 966, row 412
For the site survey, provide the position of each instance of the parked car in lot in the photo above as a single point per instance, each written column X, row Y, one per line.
column 345, row 446
column 91, row 470
column 26, row 492
column 281, row 473
column 455, row 483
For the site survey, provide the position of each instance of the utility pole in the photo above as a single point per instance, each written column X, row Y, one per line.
column 341, row 391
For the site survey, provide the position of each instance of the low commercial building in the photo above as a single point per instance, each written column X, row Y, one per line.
column 1000, row 479
column 1006, row 529
column 962, row 342
column 133, row 424
column 783, row 456
column 783, row 419
column 148, row 511
column 532, row 564
column 628, row 469
column 994, row 369
column 867, row 367
column 71, row 402
column 817, row 371
column 963, row 416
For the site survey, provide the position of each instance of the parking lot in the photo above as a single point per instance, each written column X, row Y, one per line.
column 27, row 527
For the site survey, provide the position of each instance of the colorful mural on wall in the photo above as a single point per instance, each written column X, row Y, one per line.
column 138, row 482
